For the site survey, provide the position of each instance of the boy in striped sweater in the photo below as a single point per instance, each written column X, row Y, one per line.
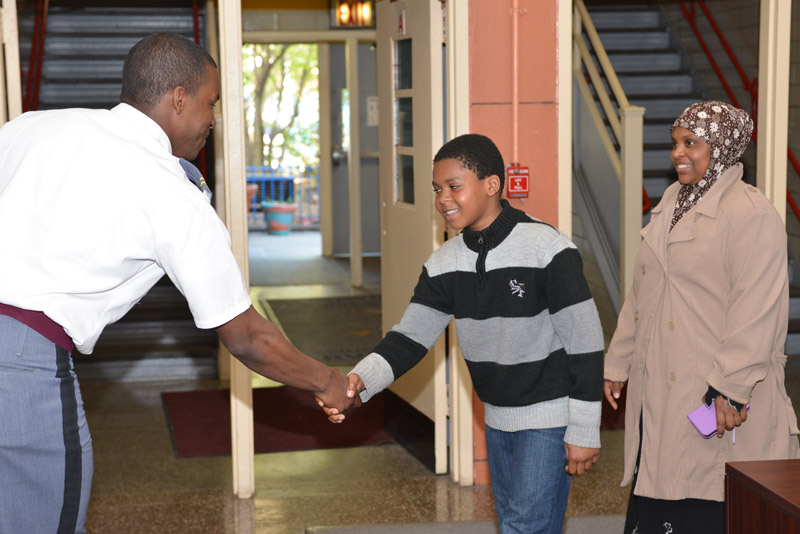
column 527, row 327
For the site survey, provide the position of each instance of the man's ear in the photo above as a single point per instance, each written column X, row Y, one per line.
column 179, row 95
column 492, row 185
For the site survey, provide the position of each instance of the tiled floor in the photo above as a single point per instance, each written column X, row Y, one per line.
column 140, row 487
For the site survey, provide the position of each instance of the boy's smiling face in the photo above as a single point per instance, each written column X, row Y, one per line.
column 462, row 198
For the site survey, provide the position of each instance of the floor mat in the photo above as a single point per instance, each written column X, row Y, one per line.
column 285, row 419
column 336, row 331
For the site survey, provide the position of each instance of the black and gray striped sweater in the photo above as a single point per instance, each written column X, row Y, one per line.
column 526, row 323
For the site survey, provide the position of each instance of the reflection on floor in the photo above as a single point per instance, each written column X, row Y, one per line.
column 140, row 487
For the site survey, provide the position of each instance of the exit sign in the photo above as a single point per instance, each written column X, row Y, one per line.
column 352, row 14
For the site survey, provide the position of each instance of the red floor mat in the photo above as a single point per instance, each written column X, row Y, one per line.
column 285, row 419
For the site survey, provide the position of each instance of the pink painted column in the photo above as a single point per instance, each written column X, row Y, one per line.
column 492, row 112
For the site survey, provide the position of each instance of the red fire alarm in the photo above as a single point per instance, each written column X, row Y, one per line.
column 517, row 181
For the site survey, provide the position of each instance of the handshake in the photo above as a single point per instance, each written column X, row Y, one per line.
column 340, row 395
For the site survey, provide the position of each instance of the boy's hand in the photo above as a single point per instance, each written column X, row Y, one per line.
column 354, row 386
column 580, row 459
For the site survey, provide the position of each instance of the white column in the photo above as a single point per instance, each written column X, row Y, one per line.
column 773, row 100
column 565, row 117
column 461, row 436
column 230, row 42
column 354, row 166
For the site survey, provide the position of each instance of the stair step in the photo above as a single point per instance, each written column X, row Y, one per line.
column 135, row 22
column 158, row 334
column 79, row 95
column 149, row 368
column 89, row 46
column 615, row 41
column 99, row 70
column 664, row 107
column 655, row 187
column 635, row 61
column 657, row 84
column 656, row 131
column 610, row 18
column 792, row 346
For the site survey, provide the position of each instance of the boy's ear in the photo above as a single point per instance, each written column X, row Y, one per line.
column 492, row 185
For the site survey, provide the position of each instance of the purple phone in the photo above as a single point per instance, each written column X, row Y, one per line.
column 704, row 419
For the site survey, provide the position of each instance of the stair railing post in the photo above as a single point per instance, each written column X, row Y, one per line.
column 773, row 100
column 12, row 83
column 631, row 148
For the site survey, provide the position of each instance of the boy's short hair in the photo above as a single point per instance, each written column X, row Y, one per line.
column 477, row 153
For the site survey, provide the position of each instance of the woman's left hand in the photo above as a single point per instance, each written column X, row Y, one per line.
column 727, row 416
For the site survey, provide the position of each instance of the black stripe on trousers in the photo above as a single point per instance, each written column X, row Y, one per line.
column 72, row 445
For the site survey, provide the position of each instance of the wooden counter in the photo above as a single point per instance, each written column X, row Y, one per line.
column 762, row 497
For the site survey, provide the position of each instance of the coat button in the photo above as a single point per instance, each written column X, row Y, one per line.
column 672, row 376
column 644, row 269
column 636, row 316
column 671, row 325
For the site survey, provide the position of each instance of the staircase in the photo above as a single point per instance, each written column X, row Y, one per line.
column 655, row 74
column 85, row 47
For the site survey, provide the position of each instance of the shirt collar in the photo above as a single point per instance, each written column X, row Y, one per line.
column 496, row 232
column 143, row 122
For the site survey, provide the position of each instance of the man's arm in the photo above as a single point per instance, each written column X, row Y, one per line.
column 259, row 345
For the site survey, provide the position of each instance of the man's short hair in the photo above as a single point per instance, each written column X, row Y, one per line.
column 477, row 153
column 160, row 62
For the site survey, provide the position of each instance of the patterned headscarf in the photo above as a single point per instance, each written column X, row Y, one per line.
column 727, row 130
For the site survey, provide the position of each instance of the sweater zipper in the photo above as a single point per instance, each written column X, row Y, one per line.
column 480, row 264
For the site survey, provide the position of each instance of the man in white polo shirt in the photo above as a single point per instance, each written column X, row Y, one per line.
column 94, row 209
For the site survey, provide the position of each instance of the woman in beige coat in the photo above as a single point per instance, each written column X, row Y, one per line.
column 705, row 321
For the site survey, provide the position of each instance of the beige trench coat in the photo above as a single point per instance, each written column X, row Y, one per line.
column 709, row 305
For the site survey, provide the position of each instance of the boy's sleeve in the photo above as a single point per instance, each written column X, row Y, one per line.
column 577, row 325
column 408, row 341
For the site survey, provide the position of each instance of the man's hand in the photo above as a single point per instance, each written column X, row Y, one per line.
column 727, row 416
column 354, row 386
column 580, row 459
column 334, row 396
column 612, row 391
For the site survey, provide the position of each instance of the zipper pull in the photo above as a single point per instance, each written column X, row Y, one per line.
column 480, row 239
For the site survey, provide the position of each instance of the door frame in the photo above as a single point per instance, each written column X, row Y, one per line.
column 351, row 39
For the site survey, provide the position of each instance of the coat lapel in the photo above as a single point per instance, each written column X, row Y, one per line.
column 685, row 229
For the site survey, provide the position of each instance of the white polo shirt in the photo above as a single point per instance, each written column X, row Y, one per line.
column 94, row 209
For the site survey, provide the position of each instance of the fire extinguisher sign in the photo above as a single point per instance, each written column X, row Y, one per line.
column 517, row 181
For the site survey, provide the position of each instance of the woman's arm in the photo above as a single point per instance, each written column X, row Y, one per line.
column 756, row 260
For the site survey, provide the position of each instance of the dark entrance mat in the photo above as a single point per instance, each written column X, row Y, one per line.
column 335, row 331
column 285, row 419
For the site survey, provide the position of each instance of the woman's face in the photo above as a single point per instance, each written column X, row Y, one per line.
column 690, row 155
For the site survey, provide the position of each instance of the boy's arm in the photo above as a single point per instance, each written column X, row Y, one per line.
column 577, row 325
column 408, row 341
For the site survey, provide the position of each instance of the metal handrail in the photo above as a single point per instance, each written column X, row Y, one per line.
column 34, row 72
column 750, row 87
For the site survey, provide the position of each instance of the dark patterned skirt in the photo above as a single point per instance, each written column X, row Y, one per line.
column 657, row 516
column 688, row 516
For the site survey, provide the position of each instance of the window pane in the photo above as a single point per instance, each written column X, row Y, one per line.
column 402, row 64
column 404, row 179
column 403, row 114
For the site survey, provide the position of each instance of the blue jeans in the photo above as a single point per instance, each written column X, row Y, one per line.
column 530, row 485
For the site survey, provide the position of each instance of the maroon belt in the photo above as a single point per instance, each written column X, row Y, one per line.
column 41, row 323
